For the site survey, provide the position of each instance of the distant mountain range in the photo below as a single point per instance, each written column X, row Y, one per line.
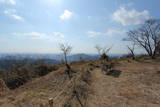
column 58, row 57
column 85, row 57
column 8, row 61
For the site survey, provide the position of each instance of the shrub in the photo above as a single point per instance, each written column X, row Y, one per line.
column 20, row 75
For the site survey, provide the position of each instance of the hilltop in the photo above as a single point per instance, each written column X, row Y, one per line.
column 137, row 85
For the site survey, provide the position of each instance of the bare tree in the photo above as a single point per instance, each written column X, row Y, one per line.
column 131, row 51
column 158, row 49
column 147, row 36
column 66, row 49
column 103, row 51
column 99, row 49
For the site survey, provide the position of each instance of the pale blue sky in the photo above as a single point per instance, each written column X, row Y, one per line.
column 38, row 26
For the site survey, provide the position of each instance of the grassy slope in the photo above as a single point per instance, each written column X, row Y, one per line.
column 138, row 85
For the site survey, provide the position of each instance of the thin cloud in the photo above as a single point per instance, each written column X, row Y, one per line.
column 43, row 36
column 128, row 17
column 109, row 32
column 113, row 32
column 13, row 14
column 94, row 34
column 13, row 2
column 66, row 15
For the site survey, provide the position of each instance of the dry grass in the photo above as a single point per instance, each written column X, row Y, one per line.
column 3, row 88
column 137, row 86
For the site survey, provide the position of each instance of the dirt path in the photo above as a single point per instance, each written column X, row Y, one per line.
column 128, row 90
column 102, row 84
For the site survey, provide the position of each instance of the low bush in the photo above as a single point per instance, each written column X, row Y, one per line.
column 20, row 75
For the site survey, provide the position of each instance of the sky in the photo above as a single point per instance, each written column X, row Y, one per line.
column 39, row 26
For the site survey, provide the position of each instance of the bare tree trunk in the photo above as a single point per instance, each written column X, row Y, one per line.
column 132, row 51
column 67, row 66
column 147, row 36
column 65, row 57
column 66, row 49
column 133, row 56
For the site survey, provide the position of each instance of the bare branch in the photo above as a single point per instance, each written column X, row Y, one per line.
column 147, row 36
column 131, row 51
column 65, row 48
column 102, row 50
column 99, row 49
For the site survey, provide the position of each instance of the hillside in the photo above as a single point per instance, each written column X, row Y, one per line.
column 137, row 85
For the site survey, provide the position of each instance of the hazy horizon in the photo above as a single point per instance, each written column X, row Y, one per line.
column 54, row 53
